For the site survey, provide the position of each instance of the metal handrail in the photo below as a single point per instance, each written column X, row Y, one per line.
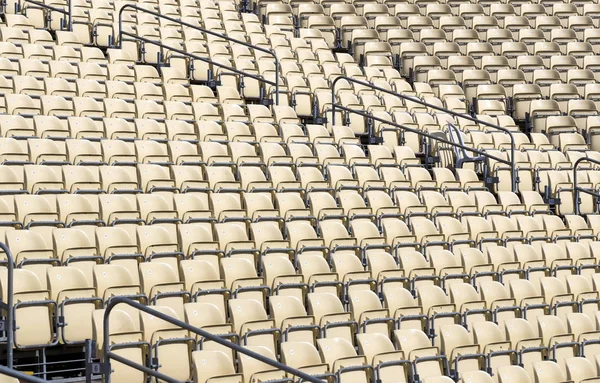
column 203, row 333
column 195, row 57
column 577, row 189
column 424, row 134
column 514, row 176
column 20, row 375
column 10, row 317
column 68, row 12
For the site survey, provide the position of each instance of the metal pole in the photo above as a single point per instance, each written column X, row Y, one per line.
column 144, row 369
column 276, row 79
column 70, row 15
column 10, row 320
column 21, row 376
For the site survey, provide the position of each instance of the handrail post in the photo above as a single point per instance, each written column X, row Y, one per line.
column 513, row 173
column 10, row 320
column 333, row 101
column 276, row 79
column 513, row 170
column 575, row 189
column 120, row 43
column 70, row 15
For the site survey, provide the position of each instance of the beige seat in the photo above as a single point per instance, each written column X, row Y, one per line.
column 580, row 370
column 211, row 365
column 303, row 356
column 426, row 359
column 339, row 353
column 126, row 340
column 251, row 322
column 76, row 298
column 162, row 284
column 172, row 347
column 34, row 322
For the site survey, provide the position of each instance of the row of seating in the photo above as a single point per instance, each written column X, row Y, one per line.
column 560, row 338
column 579, row 368
column 368, row 8
column 238, row 166
column 261, row 235
column 143, row 101
column 290, row 196
column 435, row 10
column 38, row 64
column 360, row 309
column 337, row 267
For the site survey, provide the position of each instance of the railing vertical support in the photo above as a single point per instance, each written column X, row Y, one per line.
column 10, row 320
column 70, row 15
column 276, row 79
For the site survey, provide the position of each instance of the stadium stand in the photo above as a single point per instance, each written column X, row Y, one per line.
column 245, row 191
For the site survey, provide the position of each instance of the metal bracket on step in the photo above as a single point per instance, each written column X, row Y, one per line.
column 93, row 366
column 374, row 140
column 267, row 101
column 432, row 160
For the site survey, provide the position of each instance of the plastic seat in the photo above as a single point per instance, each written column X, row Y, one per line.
column 76, row 298
column 34, row 323
column 175, row 343
column 417, row 347
column 372, row 317
column 548, row 371
column 251, row 322
column 513, row 374
column 303, row 356
column 455, row 343
column 221, row 367
column 161, row 284
column 580, row 370
column 336, row 352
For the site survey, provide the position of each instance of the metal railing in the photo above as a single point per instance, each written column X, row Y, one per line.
column 577, row 189
column 20, row 375
column 108, row 354
column 196, row 57
column 425, row 134
column 511, row 162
